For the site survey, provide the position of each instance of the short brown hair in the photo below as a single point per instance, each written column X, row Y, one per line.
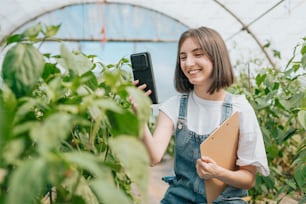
column 214, row 46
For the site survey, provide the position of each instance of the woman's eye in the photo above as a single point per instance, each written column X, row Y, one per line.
column 198, row 54
column 183, row 57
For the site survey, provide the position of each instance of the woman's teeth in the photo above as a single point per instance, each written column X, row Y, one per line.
column 193, row 71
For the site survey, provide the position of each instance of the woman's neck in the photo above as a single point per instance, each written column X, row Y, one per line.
column 216, row 96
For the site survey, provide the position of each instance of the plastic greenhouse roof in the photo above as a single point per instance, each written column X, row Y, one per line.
column 280, row 22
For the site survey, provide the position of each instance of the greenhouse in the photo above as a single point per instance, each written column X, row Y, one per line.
column 70, row 131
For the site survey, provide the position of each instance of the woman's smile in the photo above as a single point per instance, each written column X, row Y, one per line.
column 194, row 71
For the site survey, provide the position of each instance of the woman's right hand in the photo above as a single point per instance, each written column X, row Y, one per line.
column 142, row 87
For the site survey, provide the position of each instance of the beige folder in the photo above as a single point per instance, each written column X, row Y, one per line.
column 221, row 146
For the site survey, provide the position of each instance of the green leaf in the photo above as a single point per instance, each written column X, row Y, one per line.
column 296, row 66
column 300, row 175
column 291, row 183
column 124, row 60
column 268, row 43
column 32, row 32
column 27, row 106
column 276, row 54
column 52, row 30
column 294, row 101
column 28, row 181
column 97, row 108
column 7, row 113
column 112, row 78
column 260, row 79
column 303, row 61
column 80, row 200
column 134, row 158
column 77, row 63
column 107, row 192
column 49, row 70
column 9, row 99
column 303, row 49
column 273, row 151
column 24, row 127
column 22, row 67
column 82, row 190
column 54, row 89
column 143, row 102
column 14, row 38
column 77, row 185
column 90, row 80
column 13, row 150
column 302, row 118
column 73, row 109
column 123, row 123
column 87, row 161
column 303, row 106
column 52, row 131
column 303, row 200
column 288, row 134
column 3, row 174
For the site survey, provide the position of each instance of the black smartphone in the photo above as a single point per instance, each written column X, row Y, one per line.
column 143, row 71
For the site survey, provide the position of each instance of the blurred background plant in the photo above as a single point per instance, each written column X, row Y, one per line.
column 279, row 99
column 67, row 130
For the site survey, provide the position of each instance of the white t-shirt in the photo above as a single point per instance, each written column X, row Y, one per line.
column 203, row 116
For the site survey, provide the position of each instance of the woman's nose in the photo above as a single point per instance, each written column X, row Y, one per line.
column 189, row 61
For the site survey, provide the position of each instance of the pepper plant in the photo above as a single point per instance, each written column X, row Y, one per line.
column 67, row 133
column 279, row 99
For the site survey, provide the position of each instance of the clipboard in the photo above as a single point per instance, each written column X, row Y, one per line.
column 221, row 145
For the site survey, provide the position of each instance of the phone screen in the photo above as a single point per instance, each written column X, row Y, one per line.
column 143, row 71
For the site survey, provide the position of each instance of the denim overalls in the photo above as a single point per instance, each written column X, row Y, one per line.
column 187, row 187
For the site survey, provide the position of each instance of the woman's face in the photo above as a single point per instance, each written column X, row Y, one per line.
column 195, row 64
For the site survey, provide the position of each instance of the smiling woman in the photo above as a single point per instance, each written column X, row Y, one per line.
column 203, row 72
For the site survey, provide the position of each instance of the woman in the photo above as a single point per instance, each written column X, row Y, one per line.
column 203, row 71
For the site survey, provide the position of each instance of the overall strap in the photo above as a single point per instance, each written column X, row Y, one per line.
column 183, row 106
column 227, row 107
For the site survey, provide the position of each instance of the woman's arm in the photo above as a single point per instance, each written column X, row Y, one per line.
column 157, row 144
column 243, row 178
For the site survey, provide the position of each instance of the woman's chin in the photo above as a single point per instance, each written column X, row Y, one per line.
column 195, row 81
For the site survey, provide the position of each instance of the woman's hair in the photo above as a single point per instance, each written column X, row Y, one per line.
column 214, row 47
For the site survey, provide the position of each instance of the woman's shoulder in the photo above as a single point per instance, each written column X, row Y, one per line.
column 238, row 97
column 170, row 107
column 172, row 100
column 240, row 101
column 248, row 118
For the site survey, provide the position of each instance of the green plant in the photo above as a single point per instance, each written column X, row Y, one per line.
column 279, row 100
column 65, row 128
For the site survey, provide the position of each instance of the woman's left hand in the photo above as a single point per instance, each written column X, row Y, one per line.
column 141, row 87
column 207, row 168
